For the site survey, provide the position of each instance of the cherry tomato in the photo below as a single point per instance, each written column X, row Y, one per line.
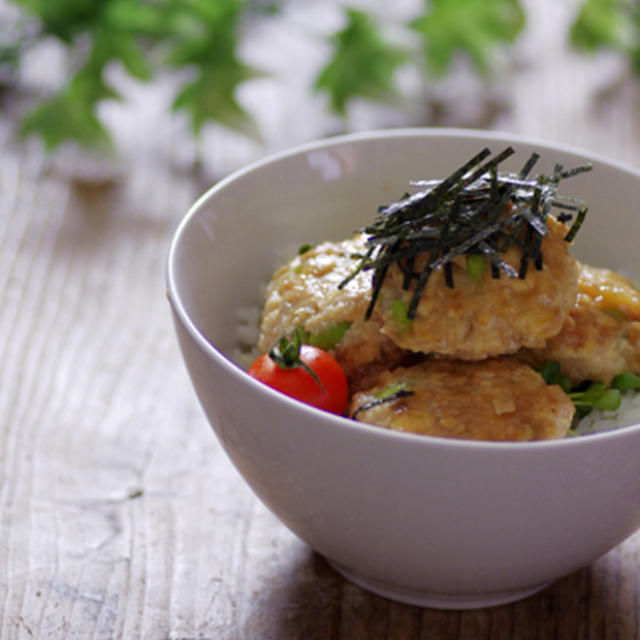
column 326, row 389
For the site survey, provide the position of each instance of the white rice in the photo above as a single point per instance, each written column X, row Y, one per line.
column 628, row 413
column 247, row 335
column 248, row 318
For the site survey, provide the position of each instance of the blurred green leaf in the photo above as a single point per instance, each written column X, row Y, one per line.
column 197, row 34
column 609, row 24
column 207, row 35
column 202, row 39
column 70, row 114
column 210, row 97
column 602, row 23
column 64, row 19
column 363, row 63
column 139, row 18
column 472, row 27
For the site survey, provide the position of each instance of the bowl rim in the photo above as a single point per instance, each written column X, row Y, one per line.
column 234, row 370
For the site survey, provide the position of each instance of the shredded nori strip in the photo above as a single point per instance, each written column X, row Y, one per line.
column 475, row 210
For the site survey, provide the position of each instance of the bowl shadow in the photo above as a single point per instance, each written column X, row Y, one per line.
column 310, row 600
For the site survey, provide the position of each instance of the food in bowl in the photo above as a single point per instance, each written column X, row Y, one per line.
column 447, row 311
column 440, row 522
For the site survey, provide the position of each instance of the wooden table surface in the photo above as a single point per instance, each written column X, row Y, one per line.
column 120, row 515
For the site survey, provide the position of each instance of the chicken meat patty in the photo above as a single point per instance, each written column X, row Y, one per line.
column 482, row 316
column 601, row 335
column 499, row 399
column 305, row 293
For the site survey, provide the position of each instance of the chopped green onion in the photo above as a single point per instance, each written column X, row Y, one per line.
column 328, row 338
column 616, row 313
column 476, row 266
column 387, row 397
column 391, row 390
column 399, row 313
column 551, row 373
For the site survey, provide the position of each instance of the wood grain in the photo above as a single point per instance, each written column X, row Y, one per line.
column 120, row 515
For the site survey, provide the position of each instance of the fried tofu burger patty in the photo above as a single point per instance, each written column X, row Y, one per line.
column 601, row 335
column 499, row 399
column 481, row 317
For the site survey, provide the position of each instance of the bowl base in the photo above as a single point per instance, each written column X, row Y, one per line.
column 436, row 600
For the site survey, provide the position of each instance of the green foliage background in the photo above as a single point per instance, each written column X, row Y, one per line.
column 203, row 36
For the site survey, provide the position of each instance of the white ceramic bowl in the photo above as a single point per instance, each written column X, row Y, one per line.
column 425, row 520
